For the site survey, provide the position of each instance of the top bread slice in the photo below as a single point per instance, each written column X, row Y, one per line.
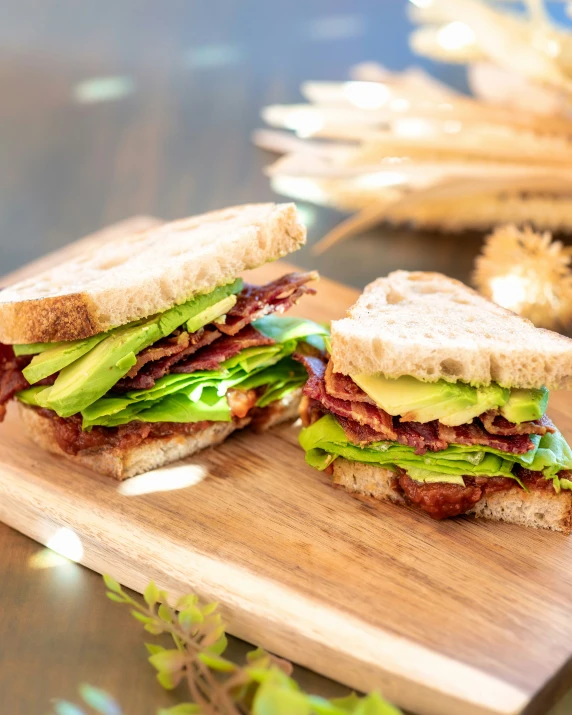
column 146, row 272
column 433, row 327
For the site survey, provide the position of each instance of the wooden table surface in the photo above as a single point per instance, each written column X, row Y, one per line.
column 112, row 109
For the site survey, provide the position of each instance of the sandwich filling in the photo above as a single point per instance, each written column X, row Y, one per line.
column 447, row 443
column 220, row 357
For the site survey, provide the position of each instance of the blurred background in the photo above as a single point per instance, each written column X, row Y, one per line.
column 112, row 109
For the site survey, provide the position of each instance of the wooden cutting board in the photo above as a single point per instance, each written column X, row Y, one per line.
column 445, row 618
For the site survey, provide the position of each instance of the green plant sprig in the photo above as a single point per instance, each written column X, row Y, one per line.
column 217, row 686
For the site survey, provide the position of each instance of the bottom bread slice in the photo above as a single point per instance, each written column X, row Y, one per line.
column 537, row 509
column 124, row 462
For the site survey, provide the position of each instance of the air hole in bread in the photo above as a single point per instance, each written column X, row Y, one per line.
column 394, row 296
column 451, row 367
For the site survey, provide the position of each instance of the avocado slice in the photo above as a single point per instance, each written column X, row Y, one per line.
column 416, row 400
column 57, row 356
column 488, row 398
column 87, row 379
column 211, row 313
column 525, row 405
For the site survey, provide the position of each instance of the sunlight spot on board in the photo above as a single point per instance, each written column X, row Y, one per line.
column 213, row 55
column 421, row 3
column 165, row 479
column 66, row 542
column 102, row 89
column 335, row 27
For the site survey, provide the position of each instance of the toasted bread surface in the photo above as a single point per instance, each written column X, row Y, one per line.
column 433, row 327
column 146, row 272
column 536, row 509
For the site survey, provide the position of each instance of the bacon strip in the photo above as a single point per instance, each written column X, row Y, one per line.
column 11, row 378
column 360, row 412
column 473, row 434
column 275, row 297
column 151, row 372
column 364, row 423
column 495, row 423
column 224, row 348
column 343, row 387
column 164, row 348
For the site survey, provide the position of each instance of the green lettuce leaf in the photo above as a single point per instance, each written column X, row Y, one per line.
column 325, row 440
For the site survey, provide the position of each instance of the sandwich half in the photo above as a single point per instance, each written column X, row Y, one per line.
column 436, row 398
column 145, row 349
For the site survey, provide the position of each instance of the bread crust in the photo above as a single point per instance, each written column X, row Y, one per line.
column 122, row 279
column 123, row 463
column 432, row 327
column 536, row 509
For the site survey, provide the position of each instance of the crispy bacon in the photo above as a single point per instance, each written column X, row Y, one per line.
column 223, row 349
column 164, row 348
column 473, row 434
column 364, row 423
column 11, row 378
column 495, row 423
column 361, row 412
column 158, row 368
column 343, row 387
column 256, row 301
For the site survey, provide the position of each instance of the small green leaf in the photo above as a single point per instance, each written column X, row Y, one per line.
column 111, row 583
column 165, row 614
column 154, row 629
column 215, row 662
column 169, row 661
column 169, row 681
column 152, row 648
column 99, row 700
column 115, row 597
column 209, row 608
column 271, row 699
column 181, row 709
column 190, row 617
column 62, row 707
column 141, row 617
column 151, row 594
column 187, row 602
column 255, row 655
column 219, row 646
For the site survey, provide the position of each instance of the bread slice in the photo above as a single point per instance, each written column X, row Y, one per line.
column 122, row 463
column 146, row 272
column 537, row 509
column 433, row 327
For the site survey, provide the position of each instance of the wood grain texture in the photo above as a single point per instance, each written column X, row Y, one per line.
column 446, row 618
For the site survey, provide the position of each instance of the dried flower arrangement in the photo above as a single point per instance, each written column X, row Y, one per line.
column 528, row 273
column 404, row 148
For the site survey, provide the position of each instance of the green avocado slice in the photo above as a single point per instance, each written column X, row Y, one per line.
column 525, row 405
column 87, row 379
column 488, row 398
column 58, row 356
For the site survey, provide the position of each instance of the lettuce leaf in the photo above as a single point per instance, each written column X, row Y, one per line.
column 325, row 440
